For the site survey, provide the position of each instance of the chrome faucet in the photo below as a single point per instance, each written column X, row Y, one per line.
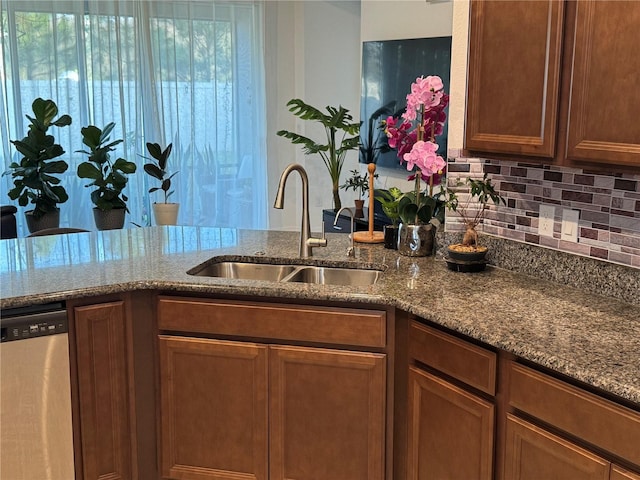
column 351, row 251
column 307, row 242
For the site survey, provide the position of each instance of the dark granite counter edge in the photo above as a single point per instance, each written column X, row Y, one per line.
column 513, row 346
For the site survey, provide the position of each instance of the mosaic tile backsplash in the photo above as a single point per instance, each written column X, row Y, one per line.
column 608, row 206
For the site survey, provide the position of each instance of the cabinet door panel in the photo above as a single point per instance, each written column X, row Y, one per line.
column 533, row 453
column 603, row 117
column 514, row 76
column 618, row 473
column 450, row 430
column 213, row 409
column 327, row 414
column 103, row 391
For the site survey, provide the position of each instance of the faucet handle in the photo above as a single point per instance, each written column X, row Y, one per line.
column 318, row 242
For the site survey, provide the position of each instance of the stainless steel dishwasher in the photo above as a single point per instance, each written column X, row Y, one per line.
column 36, row 439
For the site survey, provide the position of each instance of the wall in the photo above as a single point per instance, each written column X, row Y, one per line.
column 313, row 53
column 609, row 205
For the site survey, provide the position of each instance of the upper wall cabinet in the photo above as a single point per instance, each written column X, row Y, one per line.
column 555, row 80
column 604, row 105
column 514, row 71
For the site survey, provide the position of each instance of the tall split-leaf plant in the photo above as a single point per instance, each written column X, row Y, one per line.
column 342, row 136
column 34, row 178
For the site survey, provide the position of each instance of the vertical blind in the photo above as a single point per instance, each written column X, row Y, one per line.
column 185, row 72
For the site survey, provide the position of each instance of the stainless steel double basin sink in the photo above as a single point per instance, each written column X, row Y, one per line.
column 324, row 275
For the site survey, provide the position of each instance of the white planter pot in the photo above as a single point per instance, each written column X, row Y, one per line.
column 166, row 213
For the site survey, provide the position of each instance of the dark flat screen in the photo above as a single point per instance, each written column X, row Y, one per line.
column 389, row 68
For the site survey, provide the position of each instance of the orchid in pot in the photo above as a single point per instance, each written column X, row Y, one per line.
column 414, row 138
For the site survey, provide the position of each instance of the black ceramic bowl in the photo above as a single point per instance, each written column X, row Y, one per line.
column 474, row 256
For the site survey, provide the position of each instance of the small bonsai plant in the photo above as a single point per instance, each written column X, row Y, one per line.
column 481, row 192
column 109, row 178
column 34, row 177
column 158, row 168
column 335, row 122
column 358, row 183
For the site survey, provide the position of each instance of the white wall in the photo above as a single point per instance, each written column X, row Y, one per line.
column 313, row 53
column 399, row 19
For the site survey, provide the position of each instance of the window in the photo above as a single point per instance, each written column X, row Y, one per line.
column 186, row 72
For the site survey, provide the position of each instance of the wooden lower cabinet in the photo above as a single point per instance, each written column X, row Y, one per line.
column 619, row 473
column 451, row 431
column 533, row 453
column 103, row 392
column 240, row 410
column 213, row 409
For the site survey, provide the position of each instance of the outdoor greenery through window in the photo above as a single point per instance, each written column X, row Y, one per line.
column 183, row 72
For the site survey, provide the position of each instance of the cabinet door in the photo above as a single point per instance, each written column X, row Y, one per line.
column 213, row 409
column 450, row 430
column 514, row 76
column 618, row 473
column 533, row 453
column 103, row 391
column 603, row 116
column 327, row 411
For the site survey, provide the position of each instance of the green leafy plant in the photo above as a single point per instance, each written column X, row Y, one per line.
column 424, row 207
column 337, row 122
column 358, row 183
column 390, row 200
column 34, row 176
column 158, row 169
column 109, row 178
column 481, row 192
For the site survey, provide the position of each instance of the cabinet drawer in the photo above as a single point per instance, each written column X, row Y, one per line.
column 346, row 326
column 600, row 422
column 464, row 361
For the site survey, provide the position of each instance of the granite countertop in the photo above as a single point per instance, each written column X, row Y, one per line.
column 592, row 338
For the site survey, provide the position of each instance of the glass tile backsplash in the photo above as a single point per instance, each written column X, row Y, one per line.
column 608, row 205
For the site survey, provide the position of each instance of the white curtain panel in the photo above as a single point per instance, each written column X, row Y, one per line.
column 189, row 73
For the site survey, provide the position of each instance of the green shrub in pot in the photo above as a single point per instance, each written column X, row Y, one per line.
column 34, row 177
column 109, row 178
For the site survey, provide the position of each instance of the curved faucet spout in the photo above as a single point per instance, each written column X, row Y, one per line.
column 351, row 251
column 307, row 242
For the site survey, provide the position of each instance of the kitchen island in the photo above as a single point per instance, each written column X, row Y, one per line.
column 590, row 339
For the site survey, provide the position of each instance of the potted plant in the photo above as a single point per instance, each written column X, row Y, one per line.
column 165, row 213
column 342, row 136
column 414, row 140
column 34, row 177
column 390, row 200
column 360, row 184
column 481, row 192
column 109, row 178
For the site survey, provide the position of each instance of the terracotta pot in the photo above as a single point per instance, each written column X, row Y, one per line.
column 166, row 213
column 359, row 208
